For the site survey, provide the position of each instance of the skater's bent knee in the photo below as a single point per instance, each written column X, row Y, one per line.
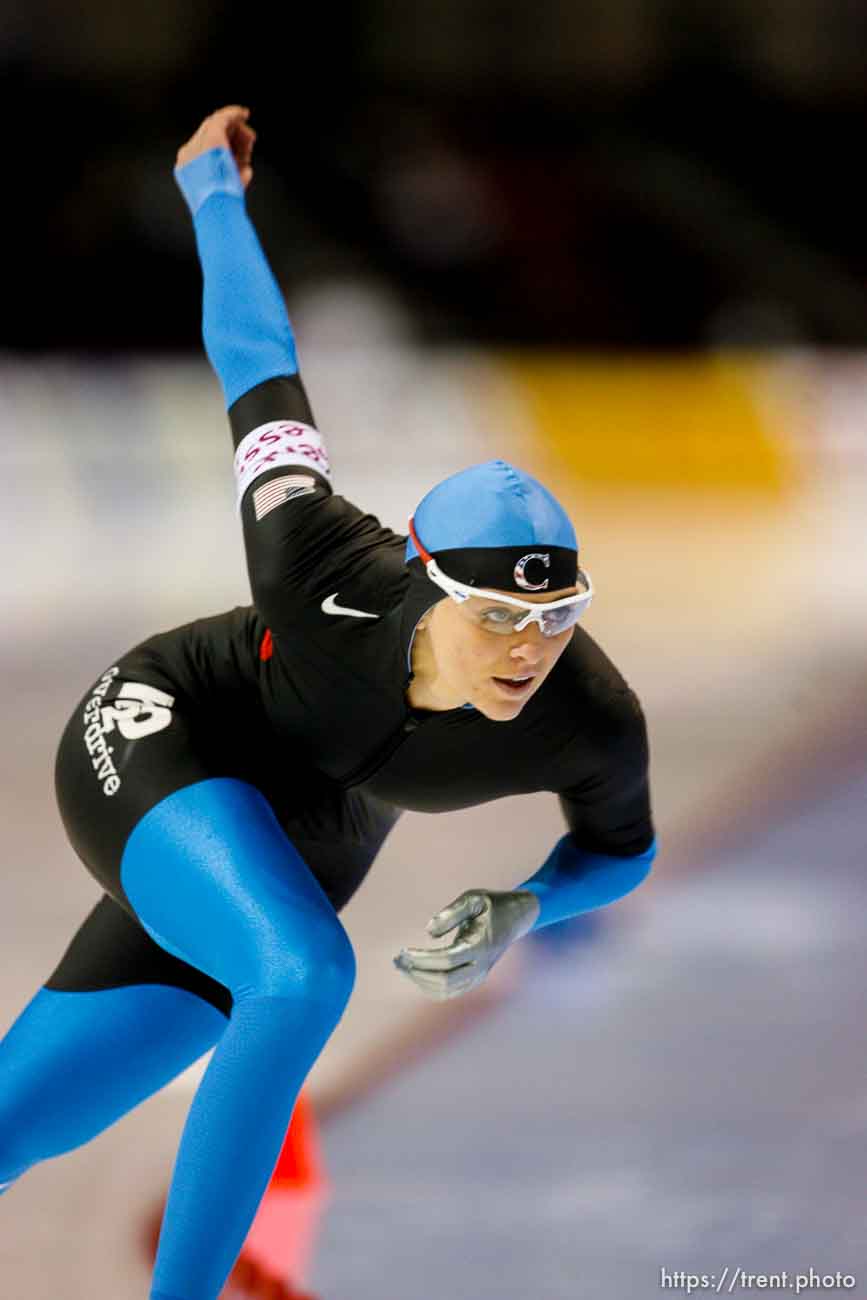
column 312, row 958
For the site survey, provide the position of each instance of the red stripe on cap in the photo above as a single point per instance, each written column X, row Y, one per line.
column 266, row 649
column 425, row 555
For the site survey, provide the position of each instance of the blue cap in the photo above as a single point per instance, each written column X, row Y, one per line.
column 482, row 521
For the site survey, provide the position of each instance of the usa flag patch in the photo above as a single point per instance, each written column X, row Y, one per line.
column 277, row 491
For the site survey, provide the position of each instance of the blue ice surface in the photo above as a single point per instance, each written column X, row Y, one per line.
column 687, row 1092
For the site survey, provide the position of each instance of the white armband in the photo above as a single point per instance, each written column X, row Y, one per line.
column 282, row 442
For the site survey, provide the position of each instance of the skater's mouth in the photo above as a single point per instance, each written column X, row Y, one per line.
column 515, row 685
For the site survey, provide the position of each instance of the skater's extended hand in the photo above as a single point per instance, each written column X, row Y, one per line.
column 226, row 128
column 487, row 921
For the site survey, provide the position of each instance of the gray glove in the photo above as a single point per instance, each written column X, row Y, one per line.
column 488, row 922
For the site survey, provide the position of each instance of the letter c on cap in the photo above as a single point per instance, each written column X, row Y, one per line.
column 521, row 566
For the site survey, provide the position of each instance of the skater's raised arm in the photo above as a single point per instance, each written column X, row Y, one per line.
column 301, row 541
column 247, row 334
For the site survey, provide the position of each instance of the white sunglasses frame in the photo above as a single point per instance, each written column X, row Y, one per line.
column 461, row 591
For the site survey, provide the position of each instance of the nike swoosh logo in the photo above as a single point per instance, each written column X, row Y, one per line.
column 330, row 606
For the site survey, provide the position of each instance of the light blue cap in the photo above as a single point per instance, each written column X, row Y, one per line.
column 490, row 505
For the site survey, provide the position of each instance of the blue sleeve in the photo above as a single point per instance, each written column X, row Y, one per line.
column 246, row 329
column 572, row 880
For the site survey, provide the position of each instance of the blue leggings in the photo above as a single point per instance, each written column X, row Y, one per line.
column 215, row 881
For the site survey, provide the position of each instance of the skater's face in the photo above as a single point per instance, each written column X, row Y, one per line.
column 464, row 663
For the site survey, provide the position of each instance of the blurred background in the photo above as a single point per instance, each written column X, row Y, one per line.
column 622, row 246
column 644, row 173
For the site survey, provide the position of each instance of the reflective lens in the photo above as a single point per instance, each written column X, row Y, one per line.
column 507, row 619
column 492, row 617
